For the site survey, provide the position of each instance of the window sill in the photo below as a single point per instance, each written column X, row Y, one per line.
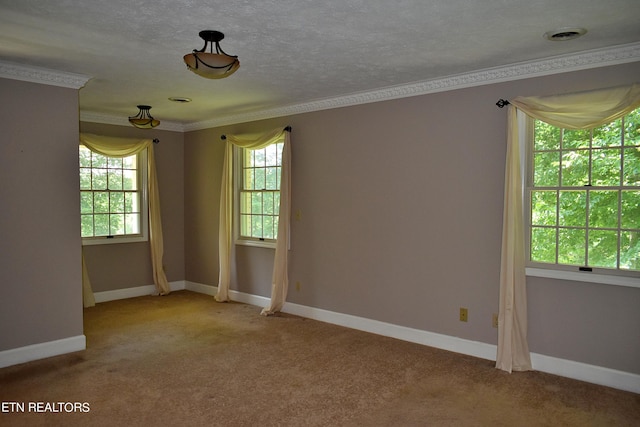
column 630, row 282
column 256, row 243
column 110, row 241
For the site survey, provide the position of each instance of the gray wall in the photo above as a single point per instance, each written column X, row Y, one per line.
column 40, row 269
column 401, row 219
column 401, row 211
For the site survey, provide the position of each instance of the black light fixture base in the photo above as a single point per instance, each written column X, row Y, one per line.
column 211, row 36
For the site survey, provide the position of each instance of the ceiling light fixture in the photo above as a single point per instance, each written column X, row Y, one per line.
column 564, row 34
column 144, row 120
column 211, row 65
column 180, row 99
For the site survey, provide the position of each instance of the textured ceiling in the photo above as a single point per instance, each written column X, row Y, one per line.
column 291, row 51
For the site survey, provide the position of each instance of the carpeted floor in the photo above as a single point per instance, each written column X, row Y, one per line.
column 185, row 360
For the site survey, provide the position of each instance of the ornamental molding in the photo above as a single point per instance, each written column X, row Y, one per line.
column 45, row 76
column 554, row 65
column 91, row 117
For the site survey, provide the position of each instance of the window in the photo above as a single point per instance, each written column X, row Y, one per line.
column 583, row 191
column 113, row 198
column 258, row 194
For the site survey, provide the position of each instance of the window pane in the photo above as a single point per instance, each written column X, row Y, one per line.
column 256, row 202
column 267, row 205
column 131, row 202
column 267, row 222
column 85, row 179
column 546, row 169
column 116, row 202
column 260, row 174
column 259, row 158
column 256, row 226
column 631, row 209
column 129, row 162
column 631, row 171
column 547, row 137
column 603, row 209
column 603, row 249
column 576, row 138
column 598, row 195
column 543, row 207
column 575, row 168
column 101, row 224
column 129, row 180
column 99, row 179
column 98, row 160
column 86, row 203
column 608, row 135
column 132, row 223
column 543, row 244
column 86, row 225
column 571, row 246
column 114, row 162
column 271, row 181
column 632, row 128
column 606, row 168
column 630, row 250
column 573, row 208
column 85, row 157
column 115, row 179
column 116, row 226
column 271, row 155
column 260, row 182
column 101, row 202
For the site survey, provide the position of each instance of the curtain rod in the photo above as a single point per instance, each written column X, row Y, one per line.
column 502, row 102
column 288, row 129
column 156, row 141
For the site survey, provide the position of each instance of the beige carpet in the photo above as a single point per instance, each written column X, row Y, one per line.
column 185, row 360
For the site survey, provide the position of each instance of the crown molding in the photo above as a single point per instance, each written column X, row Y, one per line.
column 45, row 76
column 88, row 116
column 554, row 65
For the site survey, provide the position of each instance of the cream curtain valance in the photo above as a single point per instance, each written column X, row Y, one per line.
column 582, row 110
column 123, row 147
column 571, row 111
column 280, row 279
column 113, row 146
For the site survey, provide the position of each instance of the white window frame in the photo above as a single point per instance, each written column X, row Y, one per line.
column 606, row 276
column 143, row 186
column 238, row 153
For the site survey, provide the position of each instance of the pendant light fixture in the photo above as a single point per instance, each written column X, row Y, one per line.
column 143, row 120
column 211, row 65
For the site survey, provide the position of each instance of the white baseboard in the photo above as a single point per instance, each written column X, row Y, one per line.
column 200, row 288
column 567, row 368
column 431, row 339
column 138, row 291
column 43, row 350
column 584, row 372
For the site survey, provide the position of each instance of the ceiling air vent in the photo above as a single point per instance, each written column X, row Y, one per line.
column 564, row 34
